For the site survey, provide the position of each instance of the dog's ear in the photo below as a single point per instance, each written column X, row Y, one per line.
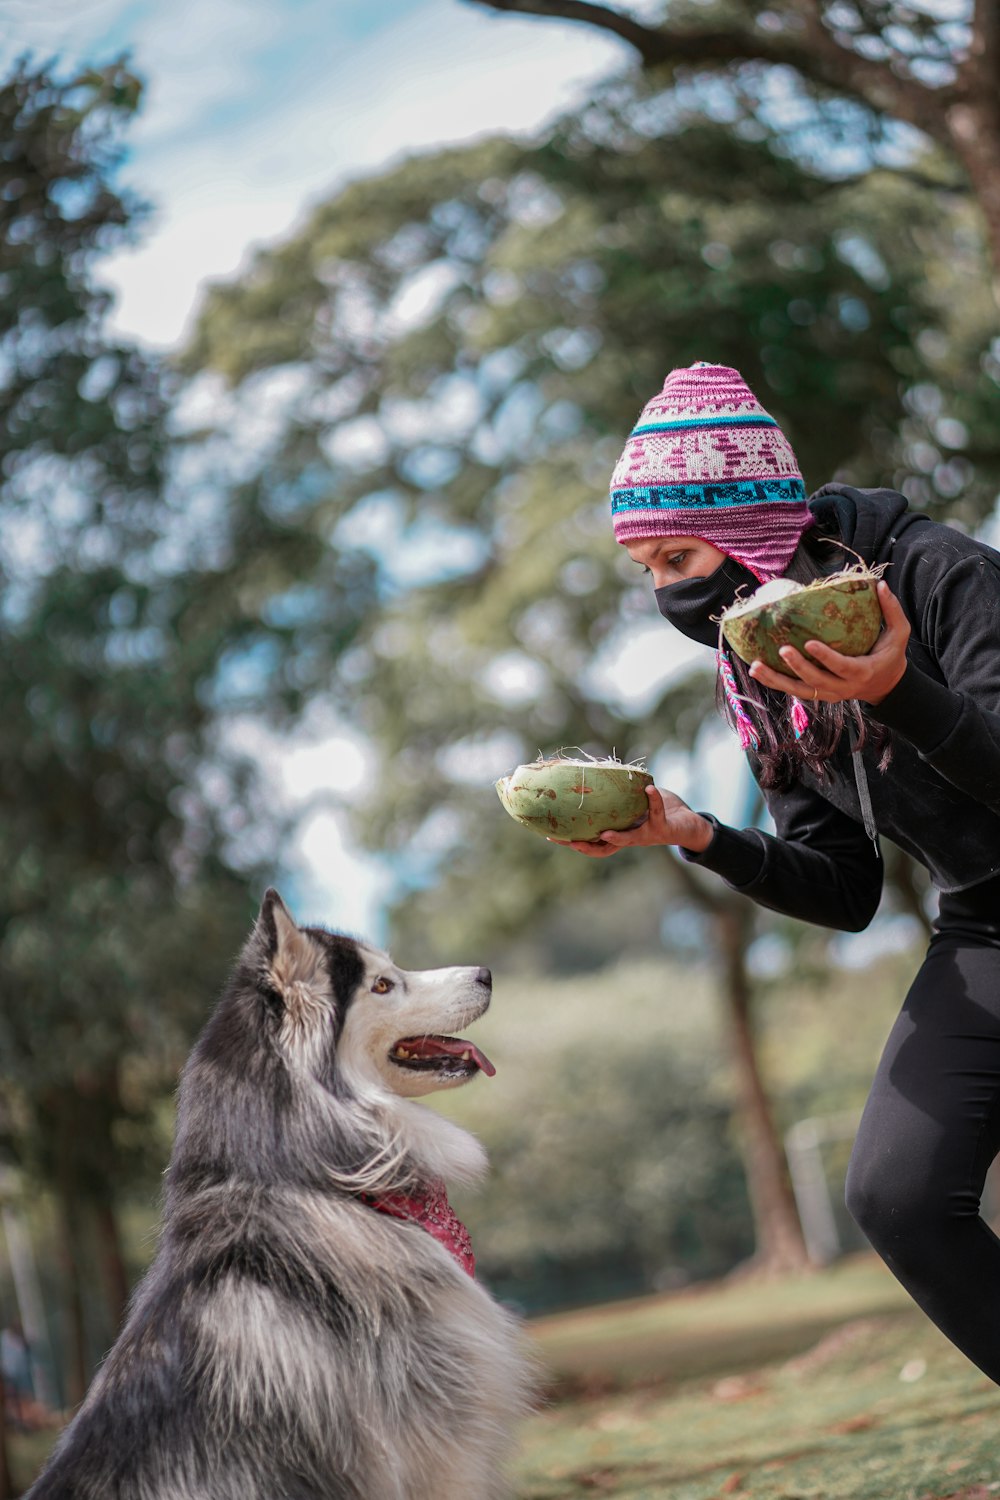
column 293, row 962
column 275, row 922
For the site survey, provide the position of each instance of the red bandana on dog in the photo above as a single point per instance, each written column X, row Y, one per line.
column 431, row 1210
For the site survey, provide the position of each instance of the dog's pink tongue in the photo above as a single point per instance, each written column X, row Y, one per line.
column 451, row 1046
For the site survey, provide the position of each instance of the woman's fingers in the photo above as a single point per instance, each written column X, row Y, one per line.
column 892, row 610
column 655, row 825
column 811, row 683
column 897, row 626
column 595, row 848
column 830, row 660
column 823, row 675
column 769, row 678
column 653, row 828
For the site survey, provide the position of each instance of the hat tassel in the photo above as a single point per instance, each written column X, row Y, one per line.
column 800, row 718
column 744, row 726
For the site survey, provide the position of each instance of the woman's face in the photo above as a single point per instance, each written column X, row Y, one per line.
column 671, row 559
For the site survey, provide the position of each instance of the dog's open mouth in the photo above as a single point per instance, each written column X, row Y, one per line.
column 451, row 1055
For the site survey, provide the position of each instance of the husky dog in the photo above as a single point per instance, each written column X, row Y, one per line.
column 308, row 1329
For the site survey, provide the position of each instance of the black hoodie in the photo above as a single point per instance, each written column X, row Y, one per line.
column 940, row 797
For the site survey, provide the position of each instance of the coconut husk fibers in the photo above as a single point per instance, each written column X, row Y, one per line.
column 565, row 798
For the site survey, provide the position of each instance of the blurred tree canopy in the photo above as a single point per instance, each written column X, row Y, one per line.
column 866, row 66
column 129, row 858
column 99, row 716
column 471, row 336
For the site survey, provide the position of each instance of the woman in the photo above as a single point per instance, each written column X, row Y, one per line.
column 905, row 741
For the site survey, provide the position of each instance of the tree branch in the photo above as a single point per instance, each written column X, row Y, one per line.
column 829, row 62
column 984, row 51
column 811, row 51
column 647, row 40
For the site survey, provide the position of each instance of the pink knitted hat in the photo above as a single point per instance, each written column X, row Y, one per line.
column 705, row 459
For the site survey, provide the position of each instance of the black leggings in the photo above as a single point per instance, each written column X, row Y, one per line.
column 931, row 1129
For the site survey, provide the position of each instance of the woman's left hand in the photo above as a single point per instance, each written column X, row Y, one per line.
column 825, row 676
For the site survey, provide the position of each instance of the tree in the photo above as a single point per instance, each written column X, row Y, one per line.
column 934, row 68
column 469, row 337
column 134, row 596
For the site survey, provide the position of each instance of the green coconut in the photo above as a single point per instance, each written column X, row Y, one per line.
column 575, row 799
column 842, row 611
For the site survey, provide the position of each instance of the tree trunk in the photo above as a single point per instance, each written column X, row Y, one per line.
column 113, row 1269
column 6, row 1482
column 70, row 1248
column 902, row 871
column 780, row 1242
column 975, row 132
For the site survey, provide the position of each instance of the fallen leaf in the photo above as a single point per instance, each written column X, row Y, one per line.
column 737, row 1387
column 855, row 1424
column 598, row 1479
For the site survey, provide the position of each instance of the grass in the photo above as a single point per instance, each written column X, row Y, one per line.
column 27, row 1452
column 823, row 1387
column 601, row 1123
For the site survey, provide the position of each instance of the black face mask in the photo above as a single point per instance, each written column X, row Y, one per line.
column 689, row 606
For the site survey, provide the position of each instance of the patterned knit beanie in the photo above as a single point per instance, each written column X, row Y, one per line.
column 706, row 460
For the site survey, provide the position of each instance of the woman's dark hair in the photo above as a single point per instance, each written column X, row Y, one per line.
column 781, row 756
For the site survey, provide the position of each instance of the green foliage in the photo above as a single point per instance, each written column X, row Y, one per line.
column 135, row 594
column 131, row 601
column 99, row 715
column 67, row 391
column 613, row 1162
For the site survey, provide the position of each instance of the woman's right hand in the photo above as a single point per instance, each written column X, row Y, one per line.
column 669, row 821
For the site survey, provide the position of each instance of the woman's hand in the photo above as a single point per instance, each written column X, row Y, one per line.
column 670, row 821
column 824, row 676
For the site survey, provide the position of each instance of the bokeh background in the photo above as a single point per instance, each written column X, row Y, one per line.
column 321, row 327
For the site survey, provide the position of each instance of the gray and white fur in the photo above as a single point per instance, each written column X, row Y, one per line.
column 289, row 1342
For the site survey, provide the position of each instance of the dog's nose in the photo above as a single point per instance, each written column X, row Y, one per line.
column 485, row 978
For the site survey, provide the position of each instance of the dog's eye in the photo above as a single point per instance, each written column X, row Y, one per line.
column 382, row 986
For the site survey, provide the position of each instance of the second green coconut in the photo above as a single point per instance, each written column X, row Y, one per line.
column 842, row 611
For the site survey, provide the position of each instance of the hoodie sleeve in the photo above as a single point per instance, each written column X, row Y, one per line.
column 821, row 867
column 954, row 725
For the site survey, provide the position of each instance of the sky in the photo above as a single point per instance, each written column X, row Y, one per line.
column 256, row 108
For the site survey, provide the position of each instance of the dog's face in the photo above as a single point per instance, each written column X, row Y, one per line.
column 344, row 1009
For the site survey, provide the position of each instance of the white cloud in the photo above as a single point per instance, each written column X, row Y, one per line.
column 638, row 662
column 317, row 775
column 197, row 55
column 255, row 107
column 69, row 27
column 444, row 73
column 332, row 884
